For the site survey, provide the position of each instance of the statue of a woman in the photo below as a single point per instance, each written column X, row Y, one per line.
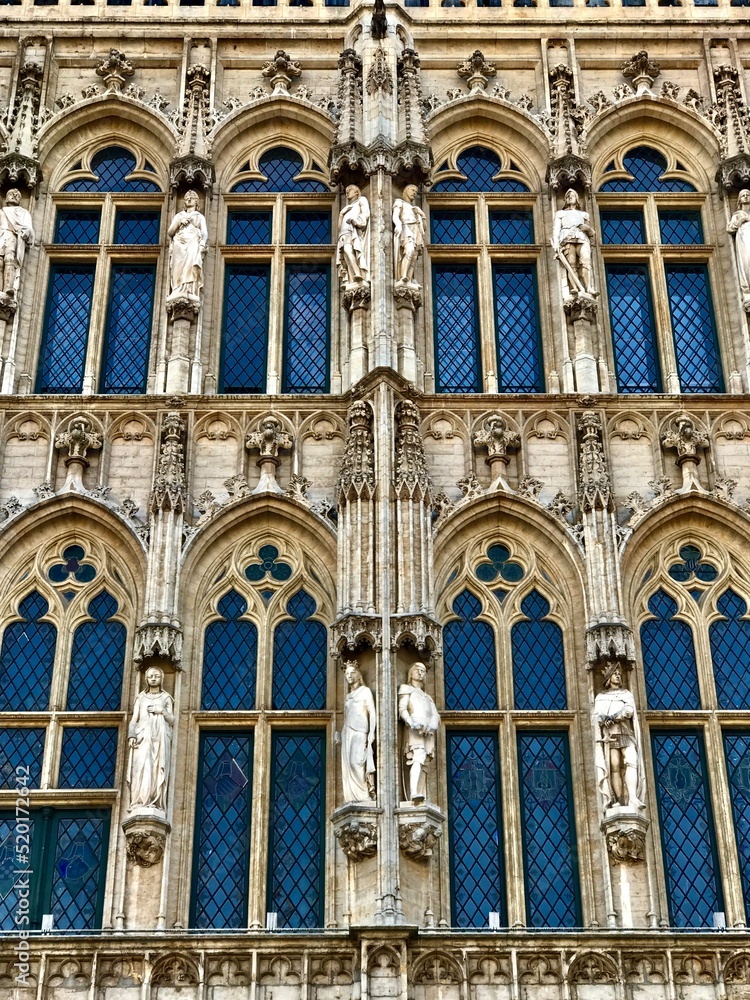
column 150, row 739
column 420, row 716
column 357, row 761
column 188, row 239
column 619, row 755
column 739, row 224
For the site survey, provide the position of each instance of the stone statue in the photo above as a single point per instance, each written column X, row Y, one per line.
column 409, row 227
column 16, row 233
column 572, row 237
column 419, row 714
column 353, row 247
column 357, row 760
column 619, row 755
column 188, row 239
column 739, row 224
column 150, row 739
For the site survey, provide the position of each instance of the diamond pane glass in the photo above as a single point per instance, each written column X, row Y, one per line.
column 88, row 758
column 280, row 166
column 687, row 836
column 519, row 365
column 21, row 753
column 296, row 831
column 97, row 660
column 549, row 845
column 230, row 653
column 737, row 752
column 66, row 328
column 681, row 226
column 245, row 340
column 456, row 331
column 112, row 167
column 300, row 657
column 730, row 651
column 137, row 226
column 26, row 659
column 15, row 861
column 222, row 830
column 476, row 834
column 511, row 227
column 306, row 334
column 693, row 328
column 452, row 225
column 622, row 226
column 77, row 225
column 668, row 657
column 479, row 166
column 249, row 227
column 78, row 871
column 538, row 658
column 646, row 166
column 633, row 331
column 128, row 330
column 469, row 658
column 308, row 227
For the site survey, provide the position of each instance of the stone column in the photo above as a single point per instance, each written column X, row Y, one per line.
column 582, row 313
column 183, row 313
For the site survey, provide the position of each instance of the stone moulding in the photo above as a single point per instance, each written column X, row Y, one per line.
column 610, row 641
column 353, row 631
column 154, row 640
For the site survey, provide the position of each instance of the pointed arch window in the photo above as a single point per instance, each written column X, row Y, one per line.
column 730, row 651
column 300, row 657
column 469, row 657
column 230, row 652
column 27, row 658
column 538, row 657
column 97, row 659
column 669, row 662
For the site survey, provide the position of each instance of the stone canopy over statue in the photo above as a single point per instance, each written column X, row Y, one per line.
column 188, row 240
column 16, row 234
column 619, row 752
column 572, row 238
column 421, row 720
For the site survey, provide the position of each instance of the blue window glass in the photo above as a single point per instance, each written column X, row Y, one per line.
column 127, row 335
column 456, row 328
column 549, row 843
column 113, row 167
column 245, row 341
column 737, row 752
column 249, row 227
column 693, row 328
column 308, row 226
column 269, row 563
column 137, row 226
column 681, row 226
column 300, row 657
column 622, row 226
column 499, row 564
column 230, row 653
column 88, row 758
column 66, row 328
column 646, row 167
column 306, row 328
column 476, row 830
column 692, row 566
column 687, row 834
column 280, row 167
column 78, row 870
column 730, row 651
column 296, row 828
column 222, row 830
column 632, row 319
column 511, row 226
column 97, row 660
column 26, row 658
column 519, row 363
column 77, row 225
column 21, row 754
column 668, row 657
column 452, row 225
column 12, row 864
column 337, row 3
column 469, row 657
column 538, row 658
column 73, row 566
column 416, row 3
column 479, row 166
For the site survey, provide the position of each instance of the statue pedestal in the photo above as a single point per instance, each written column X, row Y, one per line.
column 419, row 830
column 581, row 311
column 356, row 298
column 182, row 314
column 355, row 826
column 146, row 835
column 408, row 298
column 624, row 831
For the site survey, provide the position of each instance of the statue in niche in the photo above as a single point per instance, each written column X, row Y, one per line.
column 739, row 224
column 16, row 233
column 572, row 238
column 619, row 755
column 188, row 239
column 420, row 716
column 150, row 739
column 353, row 246
column 357, row 737
column 409, row 227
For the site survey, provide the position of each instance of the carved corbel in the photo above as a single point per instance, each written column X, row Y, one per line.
column 684, row 436
column 495, row 436
column 268, row 440
column 79, row 438
column 641, row 72
column 280, row 71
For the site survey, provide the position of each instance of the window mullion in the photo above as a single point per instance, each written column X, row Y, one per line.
column 510, row 791
column 721, row 805
column 486, row 310
column 256, row 913
column 660, row 300
column 277, row 303
column 99, row 308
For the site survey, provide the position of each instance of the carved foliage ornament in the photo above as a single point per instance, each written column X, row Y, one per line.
column 641, row 71
column 357, row 476
column 626, row 846
column 145, row 849
column 281, row 70
column 169, row 486
column 594, row 487
column 412, row 477
column 476, row 71
column 358, row 839
column 114, row 70
column 380, row 78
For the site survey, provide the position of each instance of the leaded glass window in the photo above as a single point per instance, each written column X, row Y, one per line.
column 622, row 226
column 538, row 657
column 300, row 657
column 249, row 227
column 668, row 652
column 97, row 659
column 66, row 328
column 77, row 225
column 633, row 329
column 306, row 333
column 452, row 225
column 456, row 329
column 482, row 170
column 519, row 361
column 21, row 757
column 730, row 651
column 230, row 651
column 511, row 226
column 245, row 340
column 304, row 226
column 114, row 169
column 27, row 657
column 737, row 752
column 128, row 329
column 88, row 757
column 469, row 657
column 693, row 328
column 133, row 226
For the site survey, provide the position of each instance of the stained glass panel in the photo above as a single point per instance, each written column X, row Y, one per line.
column 730, row 651
column 137, row 226
column 479, row 165
column 26, row 659
column 511, row 226
column 245, row 340
column 280, row 166
column 299, row 657
column 249, row 227
column 538, row 658
column 17, row 841
column 469, row 658
column 77, row 225
column 646, row 166
column 97, row 660
column 687, row 836
column 128, row 331
column 681, row 226
column 80, row 851
column 66, row 328
column 519, row 365
column 737, row 752
column 296, row 832
column 452, row 225
column 668, row 657
column 476, row 832
column 633, row 331
column 693, row 328
column 230, row 652
column 88, row 757
column 622, row 226
column 21, row 756
column 306, row 328
column 113, row 167
column 456, row 330
column 306, row 226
